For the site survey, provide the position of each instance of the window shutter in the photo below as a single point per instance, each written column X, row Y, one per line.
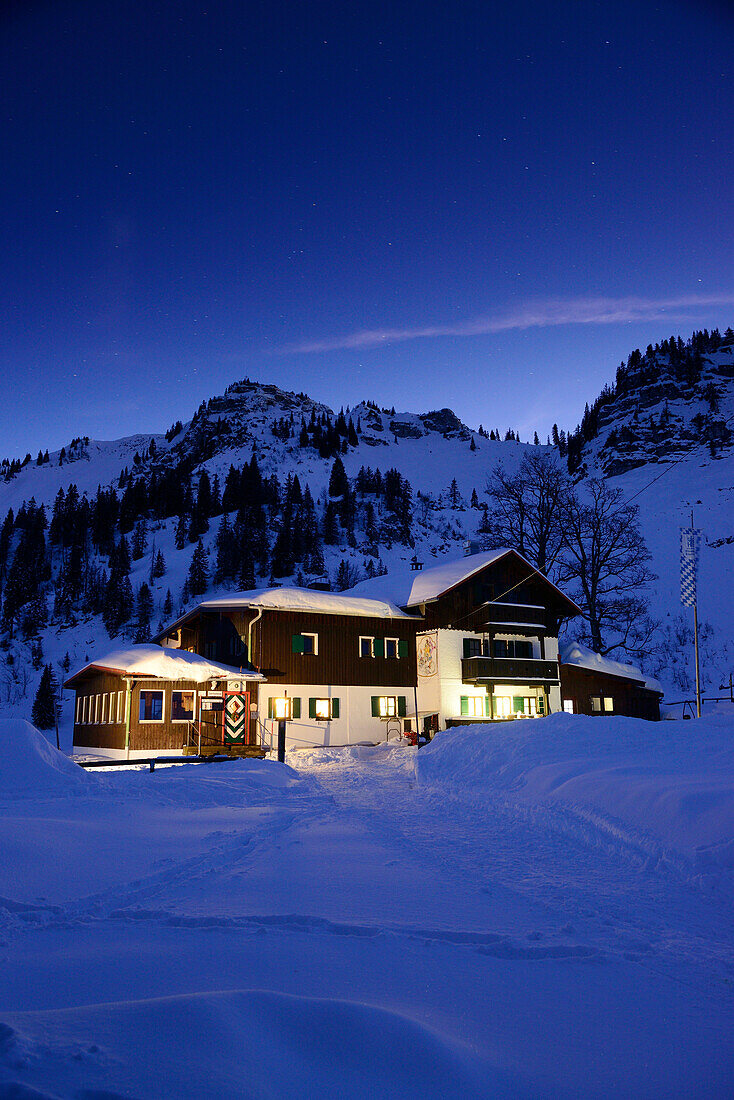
column 295, row 708
column 401, row 706
column 375, row 706
column 379, row 647
column 464, row 705
column 334, row 708
column 487, row 706
column 518, row 703
column 271, row 708
column 312, row 708
column 402, row 648
column 541, row 704
column 297, row 643
column 467, row 647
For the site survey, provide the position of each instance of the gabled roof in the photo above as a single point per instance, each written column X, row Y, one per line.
column 410, row 588
column 580, row 656
column 160, row 663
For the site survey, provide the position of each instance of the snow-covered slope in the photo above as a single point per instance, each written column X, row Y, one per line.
column 432, row 450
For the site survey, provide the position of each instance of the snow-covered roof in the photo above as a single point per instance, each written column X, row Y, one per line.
column 575, row 653
column 163, row 664
column 409, row 588
column 307, row 599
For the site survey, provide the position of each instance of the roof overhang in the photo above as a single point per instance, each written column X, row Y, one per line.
column 574, row 609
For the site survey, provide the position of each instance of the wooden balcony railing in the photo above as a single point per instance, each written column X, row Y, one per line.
column 507, row 669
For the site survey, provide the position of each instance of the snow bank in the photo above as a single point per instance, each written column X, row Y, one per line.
column 242, row 1042
column 666, row 785
column 29, row 765
column 163, row 664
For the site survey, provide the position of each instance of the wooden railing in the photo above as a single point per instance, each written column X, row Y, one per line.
column 503, row 669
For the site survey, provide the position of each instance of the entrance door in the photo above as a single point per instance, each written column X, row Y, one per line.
column 236, row 717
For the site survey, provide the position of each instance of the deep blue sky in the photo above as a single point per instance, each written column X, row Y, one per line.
column 193, row 193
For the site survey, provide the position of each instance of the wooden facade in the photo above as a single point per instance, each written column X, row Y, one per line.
column 337, row 659
column 593, row 692
column 508, row 594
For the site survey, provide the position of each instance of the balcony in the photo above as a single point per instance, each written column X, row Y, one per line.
column 476, row 670
column 514, row 614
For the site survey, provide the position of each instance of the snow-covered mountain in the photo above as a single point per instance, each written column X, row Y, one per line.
column 662, row 433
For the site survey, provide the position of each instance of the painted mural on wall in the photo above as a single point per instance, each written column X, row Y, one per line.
column 427, row 650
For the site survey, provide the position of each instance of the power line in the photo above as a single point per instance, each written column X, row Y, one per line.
column 666, row 470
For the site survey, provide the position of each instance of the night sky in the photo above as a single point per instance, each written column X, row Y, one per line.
column 478, row 205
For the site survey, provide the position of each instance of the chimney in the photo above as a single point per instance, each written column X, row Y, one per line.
column 471, row 546
column 415, row 565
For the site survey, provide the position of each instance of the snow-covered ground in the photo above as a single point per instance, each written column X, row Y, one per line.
column 541, row 910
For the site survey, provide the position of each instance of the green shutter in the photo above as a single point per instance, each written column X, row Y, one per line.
column 518, row 703
column 379, row 647
column 270, row 708
column 375, row 706
column 297, row 643
column 464, row 705
column 334, row 708
column 487, row 706
column 541, row 704
column 402, row 648
column 401, row 706
column 312, row 708
column 295, row 708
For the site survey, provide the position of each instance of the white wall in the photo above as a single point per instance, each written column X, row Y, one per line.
column 442, row 693
column 355, row 723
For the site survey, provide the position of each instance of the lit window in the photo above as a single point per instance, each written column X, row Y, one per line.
column 475, row 706
column 151, row 706
column 391, row 647
column 608, row 704
column 120, row 707
column 103, row 717
column 502, row 706
column 322, row 708
column 281, row 708
column 182, row 706
column 388, row 706
column 595, row 704
column 96, row 709
column 568, row 706
column 366, row 647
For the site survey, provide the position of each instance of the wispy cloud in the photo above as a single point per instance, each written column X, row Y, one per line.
column 581, row 311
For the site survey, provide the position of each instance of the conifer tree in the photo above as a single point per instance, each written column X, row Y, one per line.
column 338, row 482
column 45, row 705
column 181, row 534
column 198, row 570
column 144, row 609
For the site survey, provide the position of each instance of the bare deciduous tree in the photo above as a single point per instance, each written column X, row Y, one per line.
column 528, row 509
column 605, row 564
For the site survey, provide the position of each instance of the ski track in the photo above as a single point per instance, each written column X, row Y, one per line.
column 654, row 910
column 558, row 862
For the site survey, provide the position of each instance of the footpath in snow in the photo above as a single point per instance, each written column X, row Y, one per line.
column 542, row 908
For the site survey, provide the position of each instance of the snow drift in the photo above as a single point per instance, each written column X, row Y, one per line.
column 30, row 766
column 665, row 786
